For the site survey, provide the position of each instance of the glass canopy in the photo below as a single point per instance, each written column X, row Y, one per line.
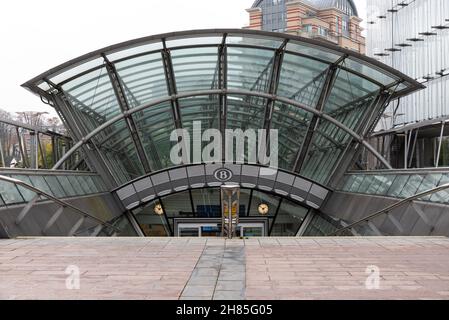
column 138, row 92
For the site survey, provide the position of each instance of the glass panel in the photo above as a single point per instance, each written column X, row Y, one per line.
column 375, row 184
column 93, row 95
column 357, row 181
column 206, row 203
column 301, row 79
column 84, row 185
column 429, row 182
column 442, row 196
column 290, row 217
column 292, row 124
column 265, row 41
column 199, row 109
column 249, row 68
column 327, row 147
column 366, row 184
column 67, row 185
column 245, row 112
column 370, row 71
column 347, row 89
column 155, row 126
column 252, row 231
column 209, row 231
column 9, row 193
column 86, row 66
column 119, row 150
column 385, row 183
column 178, row 206
column 189, row 232
column 39, row 182
column 244, row 201
column 198, row 40
column 26, row 193
column 411, row 187
column 263, row 198
column 152, row 224
column 319, row 53
column 90, row 183
column 76, row 185
column 54, row 185
column 397, row 186
column 99, row 183
column 125, row 227
column 349, row 181
column 135, row 50
column 196, row 68
column 143, row 78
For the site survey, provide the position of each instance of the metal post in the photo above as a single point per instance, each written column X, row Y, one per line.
column 34, row 150
column 22, row 149
column 2, row 157
column 437, row 160
column 42, row 151
column 405, row 149
column 230, row 205
column 413, row 148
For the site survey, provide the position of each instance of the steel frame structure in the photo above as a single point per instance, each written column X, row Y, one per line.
column 62, row 100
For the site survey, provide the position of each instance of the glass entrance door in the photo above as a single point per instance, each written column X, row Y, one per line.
column 208, row 229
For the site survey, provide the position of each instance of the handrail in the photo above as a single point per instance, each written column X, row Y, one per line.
column 64, row 204
column 391, row 207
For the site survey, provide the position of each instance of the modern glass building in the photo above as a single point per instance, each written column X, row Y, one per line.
column 413, row 37
column 121, row 104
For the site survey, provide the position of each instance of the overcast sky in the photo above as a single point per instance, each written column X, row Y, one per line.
column 37, row 35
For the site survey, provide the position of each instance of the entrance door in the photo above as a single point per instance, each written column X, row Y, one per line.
column 213, row 229
column 251, row 230
column 198, row 230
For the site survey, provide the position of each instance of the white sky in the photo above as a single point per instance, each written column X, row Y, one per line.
column 36, row 35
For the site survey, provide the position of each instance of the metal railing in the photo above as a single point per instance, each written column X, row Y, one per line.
column 62, row 203
column 390, row 208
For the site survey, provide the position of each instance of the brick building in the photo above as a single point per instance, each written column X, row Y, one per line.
column 336, row 21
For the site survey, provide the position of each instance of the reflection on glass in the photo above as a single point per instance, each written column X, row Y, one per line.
column 155, row 126
column 263, row 198
column 289, row 219
column 9, row 193
column 206, row 203
column 152, row 225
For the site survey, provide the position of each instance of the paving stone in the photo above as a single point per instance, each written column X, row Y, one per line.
column 256, row 268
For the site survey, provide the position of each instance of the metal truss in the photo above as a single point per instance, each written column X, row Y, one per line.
column 121, row 98
column 314, row 111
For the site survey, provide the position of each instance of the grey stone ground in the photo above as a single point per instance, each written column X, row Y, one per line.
column 193, row 268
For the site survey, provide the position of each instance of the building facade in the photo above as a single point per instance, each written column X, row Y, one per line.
column 335, row 21
column 413, row 37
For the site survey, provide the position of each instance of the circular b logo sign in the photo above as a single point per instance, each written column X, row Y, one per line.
column 223, row 175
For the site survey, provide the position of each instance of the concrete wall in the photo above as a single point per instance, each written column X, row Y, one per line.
column 417, row 219
column 102, row 206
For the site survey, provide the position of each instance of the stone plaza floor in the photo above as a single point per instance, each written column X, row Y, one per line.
column 213, row 268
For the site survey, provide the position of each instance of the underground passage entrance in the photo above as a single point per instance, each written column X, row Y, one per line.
column 199, row 213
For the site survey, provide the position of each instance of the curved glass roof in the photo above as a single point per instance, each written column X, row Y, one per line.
column 320, row 97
